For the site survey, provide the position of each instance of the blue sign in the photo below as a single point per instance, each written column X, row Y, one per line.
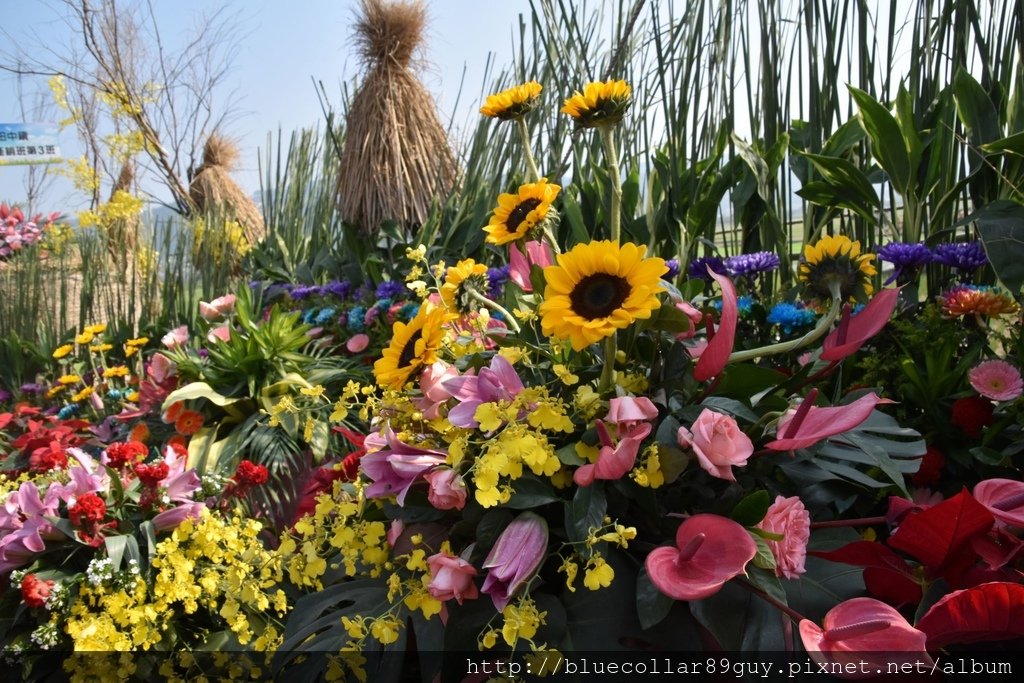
column 29, row 143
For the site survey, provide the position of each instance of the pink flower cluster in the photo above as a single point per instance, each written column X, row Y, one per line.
column 16, row 233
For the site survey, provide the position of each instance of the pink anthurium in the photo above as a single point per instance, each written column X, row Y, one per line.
column 855, row 629
column 991, row 611
column 715, row 357
column 1004, row 498
column 854, row 331
column 709, row 551
column 537, row 253
column 810, row 424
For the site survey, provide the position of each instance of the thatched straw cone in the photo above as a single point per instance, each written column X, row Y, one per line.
column 122, row 234
column 213, row 190
column 396, row 160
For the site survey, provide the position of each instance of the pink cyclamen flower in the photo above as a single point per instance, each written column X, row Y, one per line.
column 856, row 629
column 715, row 355
column 718, row 442
column 997, row 380
column 358, row 343
column 498, row 382
column 218, row 308
column 515, row 557
column 451, row 577
column 537, row 254
column 176, row 337
column 1004, row 498
column 709, row 551
column 396, row 469
column 788, row 517
column 809, row 424
column 447, row 489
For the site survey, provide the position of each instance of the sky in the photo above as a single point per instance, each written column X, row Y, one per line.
column 283, row 46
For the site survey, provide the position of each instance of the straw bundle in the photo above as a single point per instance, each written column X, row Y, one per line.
column 122, row 234
column 213, row 190
column 396, row 160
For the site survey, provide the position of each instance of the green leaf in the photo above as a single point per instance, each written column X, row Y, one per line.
column 752, row 508
column 848, row 186
column 652, row 606
column 531, row 492
column 764, row 558
column 887, row 142
column 975, row 109
column 195, row 390
column 586, row 511
column 1001, row 226
column 730, row 406
column 739, row 620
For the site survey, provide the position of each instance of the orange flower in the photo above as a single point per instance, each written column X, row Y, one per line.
column 179, row 445
column 173, row 412
column 140, row 432
column 188, row 423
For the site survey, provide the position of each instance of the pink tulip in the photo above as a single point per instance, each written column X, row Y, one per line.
column 451, row 577
column 856, row 629
column 718, row 443
column 709, row 551
column 715, row 357
column 175, row 338
column 853, row 332
column 358, row 343
column 1004, row 498
column 447, row 489
column 809, row 424
column 397, row 469
column 515, row 557
column 160, row 368
column 614, row 460
column 788, row 517
column 537, row 253
column 218, row 308
column 498, row 382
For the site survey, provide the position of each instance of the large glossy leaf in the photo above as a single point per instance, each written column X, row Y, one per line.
column 195, row 390
column 586, row 511
column 935, row 535
column 742, row 622
column 1001, row 226
column 989, row 612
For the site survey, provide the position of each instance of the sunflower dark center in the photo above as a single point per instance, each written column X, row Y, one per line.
column 519, row 214
column 598, row 295
column 409, row 350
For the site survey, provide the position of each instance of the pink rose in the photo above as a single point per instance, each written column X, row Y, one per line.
column 789, row 517
column 451, row 577
column 447, row 489
column 718, row 442
column 629, row 411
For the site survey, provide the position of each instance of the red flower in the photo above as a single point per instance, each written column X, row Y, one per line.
column 709, row 551
column 250, row 474
column 188, row 423
column 120, row 455
column 152, row 475
column 89, row 509
column 34, row 590
column 720, row 342
column 930, row 470
column 52, row 457
column 972, row 414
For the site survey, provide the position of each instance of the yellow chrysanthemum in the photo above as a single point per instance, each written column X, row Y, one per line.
column 598, row 288
column 64, row 350
column 413, row 346
column 467, row 276
column 599, row 104
column 838, row 262
column 517, row 214
column 513, row 103
column 69, row 379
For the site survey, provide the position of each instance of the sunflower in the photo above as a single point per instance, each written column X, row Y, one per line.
column 599, row 104
column 837, row 261
column 513, row 103
column 597, row 288
column 517, row 214
column 467, row 276
column 413, row 346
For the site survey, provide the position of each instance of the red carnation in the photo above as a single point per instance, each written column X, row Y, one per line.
column 152, row 475
column 121, row 454
column 972, row 414
column 34, row 590
column 930, row 470
column 88, row 509
column 250, row 474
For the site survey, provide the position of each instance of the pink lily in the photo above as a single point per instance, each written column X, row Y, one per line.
column 176, row 337
column 168, row 520
column 435, row 394
column 499, row 382
column 537, row 253
column 856, row 628
column 715, row 357
column 709, row 551
column 515, row 557
column 398, row 468
column 809, row 425
column 854, row 331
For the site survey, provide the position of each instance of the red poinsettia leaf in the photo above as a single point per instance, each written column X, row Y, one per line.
column 991, row 611
column 887, row 576
column 892, row 587
column 934, row 536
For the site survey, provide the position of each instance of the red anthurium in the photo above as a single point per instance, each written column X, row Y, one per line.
column 714, row 358
column 854, row 630
column 810, row 424
column 709, row 551
column 937, row 536
column 1004, row 498
column 853, row 331
column 991, row 611
column 887, row 576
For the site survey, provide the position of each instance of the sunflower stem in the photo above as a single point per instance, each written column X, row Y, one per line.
column 607, row 382
column 495, row 306
column 782, row 347
column 531, row 164
column 612, row 152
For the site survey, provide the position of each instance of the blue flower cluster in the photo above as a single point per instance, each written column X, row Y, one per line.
column 790, row 316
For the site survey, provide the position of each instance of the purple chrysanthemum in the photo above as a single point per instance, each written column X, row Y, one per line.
column 389, row 289
column 339, row 288
column 751, row 265
column 673, row 269
column 905, row 257
column 302, row 292
column 496, row 279
column 698, row 268
column 964, row 256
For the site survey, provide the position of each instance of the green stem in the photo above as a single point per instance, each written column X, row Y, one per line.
column 612, row 152
column 495, row 306
column 782, row 347
column 531, row 164
column 607, row 381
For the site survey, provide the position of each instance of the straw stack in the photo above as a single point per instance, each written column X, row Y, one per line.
column 396, row 160
column 213, row 190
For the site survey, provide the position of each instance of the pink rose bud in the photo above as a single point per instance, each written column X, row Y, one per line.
column 515, row 557
column 447, row 489
column 718, row 442
column 789, row 517
column 451, row 577
column 627, row 411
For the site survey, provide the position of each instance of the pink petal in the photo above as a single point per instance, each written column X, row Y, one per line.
column 715, row 357
column 821, row 423
column 358, row 343
column 854, row 331
column 1004, row 498
column 725, row 551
